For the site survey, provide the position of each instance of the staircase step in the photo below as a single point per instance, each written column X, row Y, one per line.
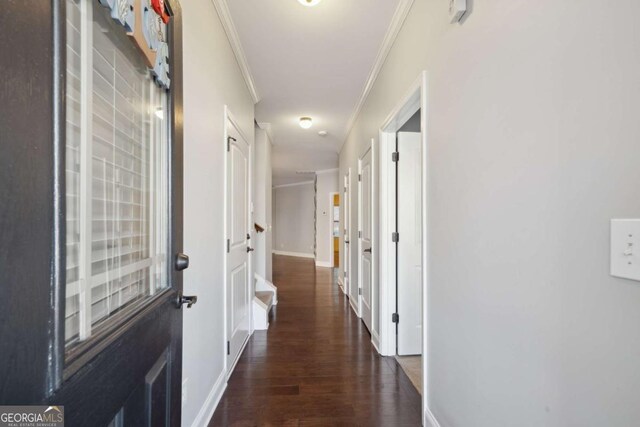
column 266, row 297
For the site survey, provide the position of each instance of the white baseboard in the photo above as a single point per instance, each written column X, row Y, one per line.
column 210, row 404
column 354, row 307
column 375, row 340
column 324, row 264
column 430, row 419
column 296, row 254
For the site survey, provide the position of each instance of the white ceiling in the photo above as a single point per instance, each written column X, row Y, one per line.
column 309, row 61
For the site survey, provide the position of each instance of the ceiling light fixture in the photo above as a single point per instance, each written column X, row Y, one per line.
column 322, row 133
column 305, row 122
column 309, row 3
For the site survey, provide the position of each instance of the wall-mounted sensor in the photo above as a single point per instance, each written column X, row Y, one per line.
column 457, row 9
column 322, row 133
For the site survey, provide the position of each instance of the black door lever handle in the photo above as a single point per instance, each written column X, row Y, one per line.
column 186, row 299
column 250, row 249
column 368, row 250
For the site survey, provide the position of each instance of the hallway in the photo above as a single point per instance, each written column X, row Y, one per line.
column 316, row 364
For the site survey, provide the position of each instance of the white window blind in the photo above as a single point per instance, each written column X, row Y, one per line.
column 116, row 173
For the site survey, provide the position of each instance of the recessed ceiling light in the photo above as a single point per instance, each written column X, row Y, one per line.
column 305, row 122
column 322, row 133
column 309, row 3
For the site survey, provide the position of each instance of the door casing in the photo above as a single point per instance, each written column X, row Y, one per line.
column 415, row 99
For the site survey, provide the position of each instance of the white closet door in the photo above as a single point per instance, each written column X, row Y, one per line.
column 409, row 245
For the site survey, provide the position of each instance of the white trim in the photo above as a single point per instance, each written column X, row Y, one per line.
column 324, row 264
column 340, row 283
column 415, row 99
column 399, row 16
column 429, row 420
column 234, row 40
column 375, row 339
column 211, row 402
column 323, row 171
column 292, row 185
column 296, row 254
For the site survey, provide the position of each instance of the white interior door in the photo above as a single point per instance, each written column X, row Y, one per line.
column 409, row 245
column 365, row 231
column 346, row 268
column 237, row 269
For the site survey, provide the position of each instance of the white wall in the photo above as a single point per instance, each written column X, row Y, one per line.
column 262, row 203
column 327, row 184
column 211, row 80
column 533, row 133
column 294, row 209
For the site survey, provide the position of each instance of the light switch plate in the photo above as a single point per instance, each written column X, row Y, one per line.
column 625, row 248
column 457, row 9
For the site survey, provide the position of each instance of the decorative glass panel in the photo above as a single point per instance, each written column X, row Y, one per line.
column 116, row 173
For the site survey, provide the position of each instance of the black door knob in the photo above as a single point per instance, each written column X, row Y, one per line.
column 186, row 299
column 182, row 262
column 250, row 249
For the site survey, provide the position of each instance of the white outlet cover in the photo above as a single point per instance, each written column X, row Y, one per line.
column 625, row 248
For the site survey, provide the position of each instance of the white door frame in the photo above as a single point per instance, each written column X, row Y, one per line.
column 228, row 117
column 414, row 100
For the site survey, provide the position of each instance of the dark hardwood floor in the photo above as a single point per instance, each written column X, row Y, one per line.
column 315, row 366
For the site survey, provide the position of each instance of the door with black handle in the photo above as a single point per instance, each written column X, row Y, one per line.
column 91, row 240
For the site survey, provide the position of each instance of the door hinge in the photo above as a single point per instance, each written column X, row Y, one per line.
column 228, row 348
column 359, row 291
column 395, row 237
column 360, row 234
column 228, row 245
column 229, row 139
column 359, row 177
column 395, row 318
column 395, row 156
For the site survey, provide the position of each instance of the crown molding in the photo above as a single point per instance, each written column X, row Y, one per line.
column 234, row 40
column 399, row 16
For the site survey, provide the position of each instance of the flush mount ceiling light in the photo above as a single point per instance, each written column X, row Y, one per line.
column 309, row 3
column 305, row 122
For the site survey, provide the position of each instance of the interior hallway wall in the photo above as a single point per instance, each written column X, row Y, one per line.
column 262, row 203
column 533, row 148
column 212, row 79
column 294, row 210
column 327, row 184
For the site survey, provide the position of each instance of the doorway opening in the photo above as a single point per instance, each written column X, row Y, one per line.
column 403, row 230
column 408, row 249
column 335, row 230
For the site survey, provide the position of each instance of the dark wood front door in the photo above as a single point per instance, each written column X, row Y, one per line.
column 90, row 275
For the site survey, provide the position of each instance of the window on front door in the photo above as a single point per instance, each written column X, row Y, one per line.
column 116, row 175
